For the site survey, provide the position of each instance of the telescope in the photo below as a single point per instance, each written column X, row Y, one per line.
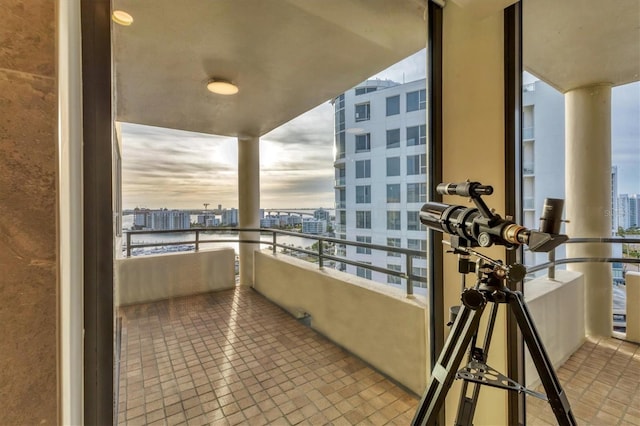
column 480, row 226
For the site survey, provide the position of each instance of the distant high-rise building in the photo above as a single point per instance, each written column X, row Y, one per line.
column 623, row 211
column 634, row 211
column 314, row 226
column 229, row 217
column 322, row 214
column 381, row 173
column 141, row 218
column 168, row 220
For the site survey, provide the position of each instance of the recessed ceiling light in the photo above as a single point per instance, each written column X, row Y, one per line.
column 121, row 17
column 222, row 87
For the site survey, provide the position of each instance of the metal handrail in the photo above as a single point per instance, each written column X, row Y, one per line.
column 553, row 262
column 409, row 254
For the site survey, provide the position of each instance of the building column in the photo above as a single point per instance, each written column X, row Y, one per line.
column 248, row 202
column 588, row 196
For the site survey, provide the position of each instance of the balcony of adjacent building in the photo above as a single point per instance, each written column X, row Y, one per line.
column 306, row 344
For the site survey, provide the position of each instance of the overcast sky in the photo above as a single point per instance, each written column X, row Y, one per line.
column 177, row 169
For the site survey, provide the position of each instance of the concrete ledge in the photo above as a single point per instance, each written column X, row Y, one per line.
column 148, row 278
column 557, row 307
column 377, row 323
column 632, row 280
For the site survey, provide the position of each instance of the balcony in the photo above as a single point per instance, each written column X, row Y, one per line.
column 268, row 354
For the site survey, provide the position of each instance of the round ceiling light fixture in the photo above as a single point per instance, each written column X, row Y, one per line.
column 222, row 87
column 121, row 17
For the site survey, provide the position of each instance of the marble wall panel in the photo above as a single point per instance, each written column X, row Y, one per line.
column 27, row 36
column 28, row 164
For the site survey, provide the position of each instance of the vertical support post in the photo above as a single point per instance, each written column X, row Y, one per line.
column 409, row 266
column 588, row 196
column 248, row 203
column 197, row 239
column 320, row 253
column 128, row 244
column 273, row 233
column 551, row 272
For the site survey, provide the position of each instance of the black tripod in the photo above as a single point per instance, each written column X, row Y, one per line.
column 489, row 288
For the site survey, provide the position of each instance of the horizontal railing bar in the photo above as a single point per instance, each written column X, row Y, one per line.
column 620, row 240
column 542, row 266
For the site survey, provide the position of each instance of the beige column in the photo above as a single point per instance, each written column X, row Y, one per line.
column 248, row 202
column 588, row 196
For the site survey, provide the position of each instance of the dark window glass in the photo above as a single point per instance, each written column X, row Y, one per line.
column 363, row 194
column 416, row 100
column 363, row 142
column 393, row 138
column 417, row 135
column 363, row 169
column 394, row 242
column 393, row 193
column 393, row 220
column 362, row 239
column 393, row 105
column 363, row 219
column 363, row 112
column 416, row 192
column 393, row 166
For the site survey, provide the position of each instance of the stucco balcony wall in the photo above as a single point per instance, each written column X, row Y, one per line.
column 557, row 308
column 377, row 323
column 150, row 278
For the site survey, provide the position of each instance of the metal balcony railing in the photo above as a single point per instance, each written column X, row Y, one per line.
column 200, row 238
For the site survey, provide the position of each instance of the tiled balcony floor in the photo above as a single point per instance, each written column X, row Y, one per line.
column 233, row 357
column 602, row 382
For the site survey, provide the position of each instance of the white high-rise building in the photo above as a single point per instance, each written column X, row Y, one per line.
column 314, row 226
column 169, row 220
column 381, row 173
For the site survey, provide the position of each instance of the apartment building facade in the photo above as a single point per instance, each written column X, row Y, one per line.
column 381, row 173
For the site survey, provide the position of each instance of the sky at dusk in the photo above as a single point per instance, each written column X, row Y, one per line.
column 177, row 169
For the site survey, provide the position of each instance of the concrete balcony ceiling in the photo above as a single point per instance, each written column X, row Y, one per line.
column 285, row 56
column 576, row 43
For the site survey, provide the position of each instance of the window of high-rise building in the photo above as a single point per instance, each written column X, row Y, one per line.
column 393, row 220
column 363, row 194
column 363, row 272
column 413, row 221
column 391, row 279
column 363, row 239
column 363, row 219
column 418, row 271
column 393, row 138
column 393, row 166
column 394, row 242
column 416, row 100
column 393, row 105
column 416, row 164
column 363, row 142
column 363, row 169
column 365, row 90
column 393, row 193
column 416, row 192
column 417, row 244
column 417, row 135
column 363, row 112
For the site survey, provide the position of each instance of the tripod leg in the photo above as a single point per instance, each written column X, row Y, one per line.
column 467, row 405
column 557, row 398
column 444, row 372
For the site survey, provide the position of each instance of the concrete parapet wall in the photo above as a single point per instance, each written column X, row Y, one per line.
column 632, row 280
column 558, row 310
column 148, row 278
column 377, row 323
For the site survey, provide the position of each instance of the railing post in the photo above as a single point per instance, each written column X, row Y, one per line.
column 320, row 253
column 128, row 244
column 273, row 233
column 409, row 260
column 552, row 268
column 197, row 239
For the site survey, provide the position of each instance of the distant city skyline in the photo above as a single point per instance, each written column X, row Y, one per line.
column 177, row 169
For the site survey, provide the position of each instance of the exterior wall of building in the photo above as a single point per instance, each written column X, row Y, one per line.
column 366, row 196
column 543, row 155
column 28, row 192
